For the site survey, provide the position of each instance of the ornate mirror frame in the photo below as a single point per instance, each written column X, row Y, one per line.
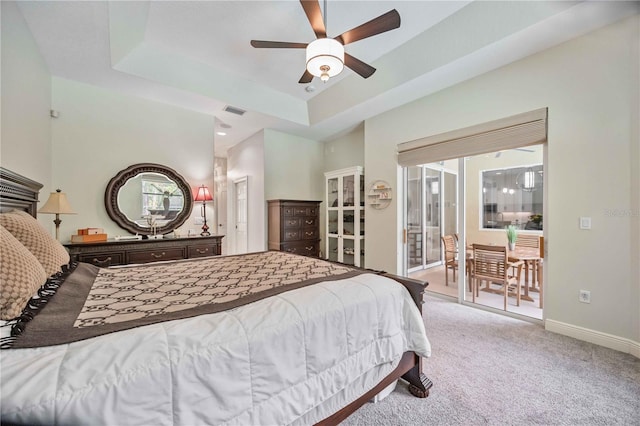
column 120, row 179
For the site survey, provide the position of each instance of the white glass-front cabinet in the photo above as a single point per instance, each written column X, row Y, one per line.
column 345, row 216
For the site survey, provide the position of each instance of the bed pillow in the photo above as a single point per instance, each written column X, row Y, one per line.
column 20, row 274
column 26, row 228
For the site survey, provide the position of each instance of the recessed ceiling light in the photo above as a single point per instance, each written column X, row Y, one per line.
column 221, row 133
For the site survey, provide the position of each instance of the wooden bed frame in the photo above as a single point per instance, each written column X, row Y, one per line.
column 19, row 192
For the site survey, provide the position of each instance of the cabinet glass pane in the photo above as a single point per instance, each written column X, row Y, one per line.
column 348, row 251
column 362, row 253
column 332, row 192
column 333, row 249
column 362, row 223
column 333, row 222
column 348, row 193
column 348, row 222
column 362, row 191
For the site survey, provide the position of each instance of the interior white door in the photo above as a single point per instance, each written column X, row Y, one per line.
column 241, row 215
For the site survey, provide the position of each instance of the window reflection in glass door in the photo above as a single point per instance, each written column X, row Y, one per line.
column 431, row 209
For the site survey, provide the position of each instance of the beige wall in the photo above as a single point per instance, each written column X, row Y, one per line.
column 293, row 167
column 278, row 166
column 345, row 151
column 590, row 85
column 25, row 139
column 100, row 132
column 246, row 159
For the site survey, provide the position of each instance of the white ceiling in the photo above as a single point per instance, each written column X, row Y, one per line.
column 196, row 54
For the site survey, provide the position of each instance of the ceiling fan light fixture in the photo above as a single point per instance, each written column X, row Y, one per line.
column 325, row 58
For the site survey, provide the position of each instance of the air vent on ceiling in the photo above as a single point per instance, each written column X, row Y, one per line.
column 234, row 110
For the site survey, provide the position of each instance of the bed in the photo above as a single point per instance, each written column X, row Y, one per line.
column 308, row 348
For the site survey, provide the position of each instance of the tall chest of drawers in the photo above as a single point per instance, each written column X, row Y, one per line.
column 294, row 226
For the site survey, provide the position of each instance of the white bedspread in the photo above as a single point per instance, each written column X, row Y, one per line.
column 292, row 358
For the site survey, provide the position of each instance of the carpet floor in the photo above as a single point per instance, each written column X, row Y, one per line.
column 495, row 370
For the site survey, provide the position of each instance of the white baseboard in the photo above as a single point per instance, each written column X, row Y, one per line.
column 597, row 337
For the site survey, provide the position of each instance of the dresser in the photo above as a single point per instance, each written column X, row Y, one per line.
column 123, row 252
column 294, row 226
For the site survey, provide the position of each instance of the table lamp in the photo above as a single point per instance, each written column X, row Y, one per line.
column 204, row 195
column 57, row 204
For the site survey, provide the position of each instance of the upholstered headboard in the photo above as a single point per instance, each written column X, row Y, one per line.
column 18, row 192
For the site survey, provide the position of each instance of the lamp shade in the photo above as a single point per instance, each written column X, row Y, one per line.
column 325, row 58
column 57, row 204
column 203, row 194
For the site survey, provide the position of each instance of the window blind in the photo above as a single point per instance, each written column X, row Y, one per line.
column 529, row 128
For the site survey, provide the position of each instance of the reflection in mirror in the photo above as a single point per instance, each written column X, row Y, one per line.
column 513, row 196
column 148, row 198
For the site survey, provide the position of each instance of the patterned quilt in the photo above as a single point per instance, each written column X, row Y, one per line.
column 95, row 301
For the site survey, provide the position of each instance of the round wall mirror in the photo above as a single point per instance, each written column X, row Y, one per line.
column 148, row 198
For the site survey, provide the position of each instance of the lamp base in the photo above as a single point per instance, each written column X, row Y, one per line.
column 205, row 230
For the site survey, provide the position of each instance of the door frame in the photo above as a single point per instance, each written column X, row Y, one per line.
column 245, row 180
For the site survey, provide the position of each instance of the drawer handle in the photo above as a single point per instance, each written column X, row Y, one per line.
column 309, row 234
column 308, row 222
column 99, row 262
column 202, row 251
column 157, row 256
column 292, row 250
column 309, row 248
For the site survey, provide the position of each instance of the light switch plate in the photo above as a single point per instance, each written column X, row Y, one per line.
column 585, row 223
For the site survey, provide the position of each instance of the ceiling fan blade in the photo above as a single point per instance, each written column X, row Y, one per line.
column 277, row 44
column 388, row 21
column 365, row 70
column 306, row 77
column 314, row 15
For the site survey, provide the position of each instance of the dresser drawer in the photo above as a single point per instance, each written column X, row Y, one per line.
column 291, row 234
column 311, row 248
column 203, row 250
column 309, row 234
column 310, row 222
column 168, row 253
column 305, row 211
column 103, row 260
column 292, row 222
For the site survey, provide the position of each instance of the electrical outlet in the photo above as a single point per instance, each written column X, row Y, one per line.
column 585, row 223
column 585, row 296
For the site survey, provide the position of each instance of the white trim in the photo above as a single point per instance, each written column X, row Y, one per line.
column 245, row 180
column 592, row 336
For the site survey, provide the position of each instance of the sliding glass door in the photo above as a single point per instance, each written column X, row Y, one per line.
column 498, row 190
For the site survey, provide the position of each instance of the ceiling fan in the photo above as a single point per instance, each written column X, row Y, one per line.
column 325, row 56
